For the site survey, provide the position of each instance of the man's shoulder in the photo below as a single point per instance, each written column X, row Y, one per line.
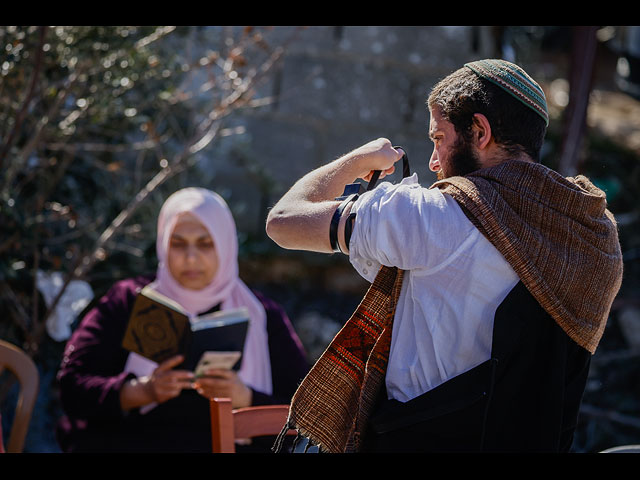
column 428, row 200
column 409, row 190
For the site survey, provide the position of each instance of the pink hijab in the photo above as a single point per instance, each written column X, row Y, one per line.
column 226, row 287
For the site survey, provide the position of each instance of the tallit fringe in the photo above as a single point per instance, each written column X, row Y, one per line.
column 279, row 442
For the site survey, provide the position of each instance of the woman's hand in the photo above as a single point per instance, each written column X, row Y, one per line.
column 224, row 383
column 166, row 383
column 162, row 385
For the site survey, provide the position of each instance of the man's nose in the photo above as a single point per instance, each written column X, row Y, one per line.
column 434, row 163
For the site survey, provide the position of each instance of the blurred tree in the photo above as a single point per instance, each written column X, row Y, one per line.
column 93, row 120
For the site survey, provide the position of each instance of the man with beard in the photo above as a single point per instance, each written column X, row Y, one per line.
column 509, row 273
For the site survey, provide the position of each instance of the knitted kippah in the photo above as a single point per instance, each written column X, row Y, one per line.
column 513, row 80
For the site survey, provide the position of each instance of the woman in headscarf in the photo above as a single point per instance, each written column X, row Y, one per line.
column 115, row 400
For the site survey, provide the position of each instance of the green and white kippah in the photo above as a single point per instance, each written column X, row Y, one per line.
column 513, row 80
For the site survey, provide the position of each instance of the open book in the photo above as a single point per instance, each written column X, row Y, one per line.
column 159, row 328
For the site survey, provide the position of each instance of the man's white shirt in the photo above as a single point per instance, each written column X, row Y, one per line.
column 455, row 279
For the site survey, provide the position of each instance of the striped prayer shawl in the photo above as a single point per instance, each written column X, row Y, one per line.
column 332, row 404
column 556, row 233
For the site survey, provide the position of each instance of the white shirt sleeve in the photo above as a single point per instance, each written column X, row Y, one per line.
column 407, row 226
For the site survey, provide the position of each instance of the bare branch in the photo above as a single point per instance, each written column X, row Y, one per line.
column 104, row 147
column 159, row 33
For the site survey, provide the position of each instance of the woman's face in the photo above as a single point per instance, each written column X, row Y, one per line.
column 192, row 257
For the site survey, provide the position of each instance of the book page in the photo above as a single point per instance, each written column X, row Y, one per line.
column 217, row 319
column 222, row 360
column 149, row 292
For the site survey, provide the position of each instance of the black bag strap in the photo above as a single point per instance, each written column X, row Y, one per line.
column 406, row 171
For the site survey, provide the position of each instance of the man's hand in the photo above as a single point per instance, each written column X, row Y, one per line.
column 376, row 155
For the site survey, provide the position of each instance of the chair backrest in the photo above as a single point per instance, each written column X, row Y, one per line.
column 228, row 424
column 24, row 369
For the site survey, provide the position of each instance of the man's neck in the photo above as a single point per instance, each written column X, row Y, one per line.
column 497, row 155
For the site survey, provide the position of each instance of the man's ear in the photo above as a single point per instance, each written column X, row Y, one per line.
column 481, row 131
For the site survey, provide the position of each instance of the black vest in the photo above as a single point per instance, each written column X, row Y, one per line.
column 525, row 398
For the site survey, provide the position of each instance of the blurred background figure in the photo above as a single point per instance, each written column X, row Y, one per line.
column 115, row 404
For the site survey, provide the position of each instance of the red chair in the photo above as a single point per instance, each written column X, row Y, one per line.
column 21, row 365
column 229, row 425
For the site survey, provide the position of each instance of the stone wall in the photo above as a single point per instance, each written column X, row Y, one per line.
column 338, row 88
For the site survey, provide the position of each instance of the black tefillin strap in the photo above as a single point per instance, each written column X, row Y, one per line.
column 351, row 193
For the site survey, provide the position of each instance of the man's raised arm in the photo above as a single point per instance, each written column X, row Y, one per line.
column 302, row 217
